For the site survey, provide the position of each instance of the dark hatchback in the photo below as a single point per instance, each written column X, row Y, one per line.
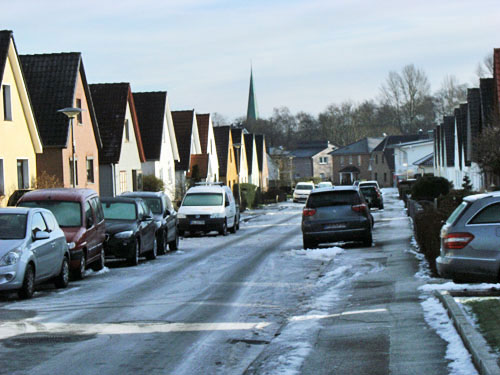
column 164, row 215
column 336, row 214
column 130, row 229
column 373, row 196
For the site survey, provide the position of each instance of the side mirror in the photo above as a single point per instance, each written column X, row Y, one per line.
column 166, row 213
column 146, row 217
column 41, row 235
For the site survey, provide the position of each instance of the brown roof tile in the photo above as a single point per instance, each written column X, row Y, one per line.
column 203, row 126
column 183, row 126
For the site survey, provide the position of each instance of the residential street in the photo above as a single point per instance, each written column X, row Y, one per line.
column 253, row 302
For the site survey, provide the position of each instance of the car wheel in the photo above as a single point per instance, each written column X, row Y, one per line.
column 238, row 223
column 134, row 259
column 308, row 243
column 28, row 288
column 162, row 242
column 99, row 263
column 62, row 280
column 181, row 233
column 368, row 240
column 174, row 245
column 151, row 254
column 80, row 272
column 381, row 207
column 233, row 228
column 223, row 230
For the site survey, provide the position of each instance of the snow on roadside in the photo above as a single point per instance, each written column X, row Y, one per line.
column 450, row 285
column 436, row 316
column 319, row 254
column 90, row 272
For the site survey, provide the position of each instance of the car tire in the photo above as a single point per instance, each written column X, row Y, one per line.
column 381, row 207
column 79, row 274
column 62, row 280
column 28, row 288
column 238, row 223
column 134, row 258
column 174, row 245
column 223, row 230
column 162, row 242
column 308, row 243
column 181, row 233
column 368, row 240
column 99, row 263
column 233, row 228
column 151, row 254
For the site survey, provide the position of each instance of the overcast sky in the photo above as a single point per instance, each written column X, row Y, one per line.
column 305, row 54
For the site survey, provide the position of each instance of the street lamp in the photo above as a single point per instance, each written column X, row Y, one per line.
column 237, row 146
column 71, row 113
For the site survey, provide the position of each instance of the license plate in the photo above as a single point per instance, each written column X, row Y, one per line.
column 335, row 226
column 197, row 222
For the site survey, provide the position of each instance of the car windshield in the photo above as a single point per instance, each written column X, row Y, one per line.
column 304, row 187
column 154, row 204
column 333, row 198
column 68, row 214
column 455, row 214
column 202, row 199
column 119, row 210
column 12, row 226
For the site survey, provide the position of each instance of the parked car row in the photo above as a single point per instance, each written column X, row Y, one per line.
column 57, row 232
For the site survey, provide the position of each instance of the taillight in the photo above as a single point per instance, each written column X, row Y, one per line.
column 457, row 240
column 309, row 212
column 360, row 208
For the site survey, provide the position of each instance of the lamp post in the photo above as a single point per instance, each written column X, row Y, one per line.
column 290, row 164
column 71, row 113
column 237, row 146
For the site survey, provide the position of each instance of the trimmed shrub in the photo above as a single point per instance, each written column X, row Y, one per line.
column 274, row 195
column 430, row 187
column 152, row 183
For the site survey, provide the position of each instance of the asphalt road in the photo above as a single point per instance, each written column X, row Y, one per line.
column 249, row 303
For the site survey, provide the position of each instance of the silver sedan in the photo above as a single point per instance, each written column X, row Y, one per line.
column 33, row 249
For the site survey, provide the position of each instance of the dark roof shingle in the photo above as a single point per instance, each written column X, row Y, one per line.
column 203, row 122
column 183, row 126
column 222, row 134
column 5, row 37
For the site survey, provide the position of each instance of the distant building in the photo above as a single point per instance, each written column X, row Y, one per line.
column 313, row 159
column 252, row 112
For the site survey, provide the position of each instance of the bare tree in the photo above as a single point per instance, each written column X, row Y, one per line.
column 484, row 69
column 218, row 119
column 407, row 93
column 449, row 96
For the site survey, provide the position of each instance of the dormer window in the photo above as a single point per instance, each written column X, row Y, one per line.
column 79, row 116
column 127, row 131
column 7, row 103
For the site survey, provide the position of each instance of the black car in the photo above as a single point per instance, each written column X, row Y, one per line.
column 372, row 196
column 165, row 216
column 336, row 214
column 130, row 229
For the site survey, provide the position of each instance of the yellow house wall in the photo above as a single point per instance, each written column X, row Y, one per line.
column 231, row 174
column 15, row 139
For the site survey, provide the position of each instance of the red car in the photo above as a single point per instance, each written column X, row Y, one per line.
column 80, row 216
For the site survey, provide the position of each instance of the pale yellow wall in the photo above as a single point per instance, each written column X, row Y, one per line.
column 15, row 139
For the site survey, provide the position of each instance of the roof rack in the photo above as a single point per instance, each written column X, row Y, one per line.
column 205, row 183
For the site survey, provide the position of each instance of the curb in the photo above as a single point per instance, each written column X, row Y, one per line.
column 484, row 361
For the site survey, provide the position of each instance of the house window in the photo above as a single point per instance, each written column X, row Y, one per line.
column 322, row 176
column 79, row 116
column 71, row 171
column 7, row 103
column 341, row 160
column 376, row 158
column 22, row 174
column 123, row 181
column 323, row 160
column 376, row 176
column 385, row 177
column 359, row 160
column 127, row 131
column 90, row 170
column 2, row 180
column 136, row 180
column 350, row 159
column 383, row 159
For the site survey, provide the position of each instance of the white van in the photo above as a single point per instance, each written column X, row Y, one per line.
column 302, row 190
column 207, row 208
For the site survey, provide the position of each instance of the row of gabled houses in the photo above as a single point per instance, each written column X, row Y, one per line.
column 118, row 137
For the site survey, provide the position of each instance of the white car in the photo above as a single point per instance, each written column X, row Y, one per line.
column 324, row 184
column 209, row 207
column 302, row 191
column 368, row 183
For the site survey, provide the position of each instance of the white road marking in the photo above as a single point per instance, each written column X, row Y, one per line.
column 345, row 313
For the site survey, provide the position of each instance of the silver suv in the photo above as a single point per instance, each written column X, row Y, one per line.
column 470, row 240
column 335, row 214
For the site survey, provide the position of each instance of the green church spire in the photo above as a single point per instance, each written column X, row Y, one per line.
column 252, row 113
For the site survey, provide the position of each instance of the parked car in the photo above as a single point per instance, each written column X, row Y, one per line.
column 79, row 214
column 15, row 196
column 368, row 183
column 130, row 229
column 164, row 215
column 207, row 208
column 470, row 240
column 373, row 196
column 302, row 190
column 336, row 214
column 323, row 184
column 33, row 249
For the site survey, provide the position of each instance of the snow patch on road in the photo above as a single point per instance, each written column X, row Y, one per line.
column 96, row 273
column 452, row 286
column 436, row 316
column 319, row 254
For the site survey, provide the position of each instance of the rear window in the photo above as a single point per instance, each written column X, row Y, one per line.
column 369, row 190
column 68, row 214
column 119, row 211
column 304, row 187
column 203, row 199
column 488, row 215
column 455, row 214
column 333, row 198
